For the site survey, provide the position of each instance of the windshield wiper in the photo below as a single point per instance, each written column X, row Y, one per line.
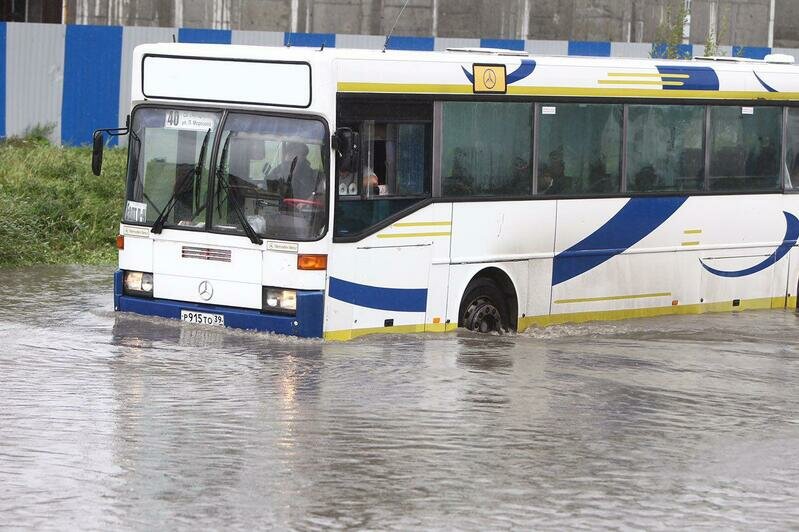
column 193, row 173
column 222, row 181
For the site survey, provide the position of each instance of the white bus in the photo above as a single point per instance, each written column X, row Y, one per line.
column 336, row 193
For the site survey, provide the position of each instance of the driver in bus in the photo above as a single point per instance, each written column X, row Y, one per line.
column 296, row 177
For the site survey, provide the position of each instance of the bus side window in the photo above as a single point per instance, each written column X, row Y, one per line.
column 394, row 159
column 580, row 149
column 487, row 148
column 393, row 171
column 668, row 152
column 745, row 147
column 792, row 153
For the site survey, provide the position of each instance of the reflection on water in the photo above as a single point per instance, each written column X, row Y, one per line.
column 117, row 420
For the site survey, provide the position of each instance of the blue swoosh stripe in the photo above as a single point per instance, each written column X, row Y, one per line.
column 397, row 299
column 634, row 221
column 791, row 236
column 524, row 70
column 765, row 85
column 699, row 78
column 468, row 75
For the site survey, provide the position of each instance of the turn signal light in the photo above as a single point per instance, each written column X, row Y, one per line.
column 120, row 241
column 311, row 262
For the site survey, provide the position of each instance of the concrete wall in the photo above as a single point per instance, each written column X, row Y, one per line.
column 741, row 22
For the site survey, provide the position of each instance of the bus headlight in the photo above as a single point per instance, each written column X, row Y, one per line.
column 138, row 284
column 279, row 300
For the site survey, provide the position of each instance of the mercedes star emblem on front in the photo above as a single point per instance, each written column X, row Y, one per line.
column 206, row 290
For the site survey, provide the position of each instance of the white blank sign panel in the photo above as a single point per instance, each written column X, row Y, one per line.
column 224, row 80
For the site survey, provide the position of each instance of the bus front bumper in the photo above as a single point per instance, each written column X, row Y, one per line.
column 306, row 324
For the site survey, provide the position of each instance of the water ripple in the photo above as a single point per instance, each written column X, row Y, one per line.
column 119, row 421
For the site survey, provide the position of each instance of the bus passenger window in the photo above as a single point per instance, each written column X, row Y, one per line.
column 487, row 149
column 394, row 160
column 580, row 147
column 393, row 171
column 745, row 147
column 666, row 148
column 792, row 153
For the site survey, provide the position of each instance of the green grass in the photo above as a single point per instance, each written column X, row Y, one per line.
column 53, row 209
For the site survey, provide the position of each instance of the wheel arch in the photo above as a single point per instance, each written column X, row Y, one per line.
column 504, row 282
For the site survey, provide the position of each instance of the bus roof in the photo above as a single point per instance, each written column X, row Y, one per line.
column 512, row 73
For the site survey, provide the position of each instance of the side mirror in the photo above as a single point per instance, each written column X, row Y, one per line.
column 345, row 142
column 97, row 152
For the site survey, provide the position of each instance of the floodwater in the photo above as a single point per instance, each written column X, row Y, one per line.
column 117, row 421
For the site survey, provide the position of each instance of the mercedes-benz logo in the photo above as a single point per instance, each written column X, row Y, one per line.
column 489, row 78
column 206, row 290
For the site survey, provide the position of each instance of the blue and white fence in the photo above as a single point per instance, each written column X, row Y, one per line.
column 77, row 78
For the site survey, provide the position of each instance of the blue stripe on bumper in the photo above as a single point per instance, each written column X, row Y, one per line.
column 307, row 323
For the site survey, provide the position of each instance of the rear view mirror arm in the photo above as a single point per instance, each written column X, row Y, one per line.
column 98, row 143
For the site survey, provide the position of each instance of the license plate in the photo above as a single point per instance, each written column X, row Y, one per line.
column 202, row 318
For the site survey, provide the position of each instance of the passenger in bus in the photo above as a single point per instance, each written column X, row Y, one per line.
column 599, row 180
column 459, row 183
column 645, row 179
column 763, row 160
column 553, row 179
column 521, row 177
column 345, row 177
column 294, row 176
column 371, row 183
column 548, row 183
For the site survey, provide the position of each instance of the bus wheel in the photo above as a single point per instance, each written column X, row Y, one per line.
column 484, row 308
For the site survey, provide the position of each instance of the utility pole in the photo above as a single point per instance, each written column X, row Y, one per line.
column 435, row 19
column 525, row 27
column 771, row 24
column 686, row 30
column 295, row 10
column 179, row 13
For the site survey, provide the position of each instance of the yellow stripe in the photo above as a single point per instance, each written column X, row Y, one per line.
column 517, row 90
column 580, row 317
column 612, row 315
column 695, row 243
column 646, row 75
column 419, row 224
column 650, row 93
column 612, row 298
column 411, row 235
column 349, row 334
column 692, row 232
column 639, row 82
column 431, row 88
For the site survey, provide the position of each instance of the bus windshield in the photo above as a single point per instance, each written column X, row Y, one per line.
column 170, row 151
column 272, row 174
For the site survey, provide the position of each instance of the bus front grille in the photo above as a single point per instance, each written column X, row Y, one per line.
column 190, row 252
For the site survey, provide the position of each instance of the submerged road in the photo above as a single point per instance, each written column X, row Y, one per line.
column 127, row 422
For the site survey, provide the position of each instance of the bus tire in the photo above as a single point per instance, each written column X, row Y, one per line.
column 484, row 308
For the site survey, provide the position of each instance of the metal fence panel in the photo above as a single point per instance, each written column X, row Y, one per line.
column 78, row 77
column 35, row 77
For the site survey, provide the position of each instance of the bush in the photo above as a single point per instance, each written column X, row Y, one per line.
column 52, row 208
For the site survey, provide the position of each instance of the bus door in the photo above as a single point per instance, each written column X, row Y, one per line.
column 394, row 281
column 388, row 262
column 409, row 262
